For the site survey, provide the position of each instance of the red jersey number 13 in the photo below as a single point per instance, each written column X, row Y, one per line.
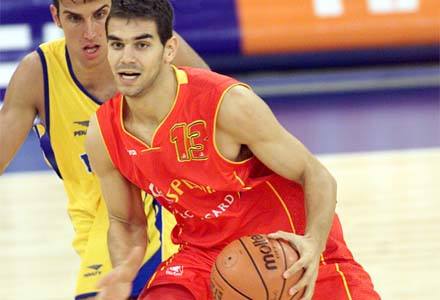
column 189, row 140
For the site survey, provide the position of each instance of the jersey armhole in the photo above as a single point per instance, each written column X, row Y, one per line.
column 45, row 142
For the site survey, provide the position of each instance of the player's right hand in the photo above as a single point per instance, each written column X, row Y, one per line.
column 309, row 257
column 117, row 284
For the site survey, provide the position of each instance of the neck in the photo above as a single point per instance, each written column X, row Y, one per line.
column 94, row 78
column 156, row 101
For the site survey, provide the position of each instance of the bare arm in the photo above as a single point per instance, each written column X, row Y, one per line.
column 127, row 234
column 248, row 120
column 124, row 204
column 23, row 99
column 186, row 56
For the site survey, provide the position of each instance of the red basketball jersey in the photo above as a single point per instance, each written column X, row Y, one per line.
column 214, row 200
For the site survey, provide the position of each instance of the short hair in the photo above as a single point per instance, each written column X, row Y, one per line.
column 159, row 11
column 57, row 4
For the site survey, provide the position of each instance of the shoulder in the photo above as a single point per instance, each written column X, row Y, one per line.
column 93, row 129
column 26, row 85
column 203, row 78
column 240, row 103
column 28, row 77
column 93, row 134
column 96, row 148
column 93, row 140
column 104, row 123
column 32, row 62
column 31, row 67
column 243, row 114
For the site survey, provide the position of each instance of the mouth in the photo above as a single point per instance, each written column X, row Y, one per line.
column 91, row 49
column 128, row 76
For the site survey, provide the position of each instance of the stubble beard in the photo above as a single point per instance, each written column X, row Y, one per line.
column 143, row 88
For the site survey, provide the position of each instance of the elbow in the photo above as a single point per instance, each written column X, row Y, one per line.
column 332, row 180
column 331, row 183
column 318, row 170
column 321, row 177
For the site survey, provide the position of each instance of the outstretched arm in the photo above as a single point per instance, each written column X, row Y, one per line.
column 248, row 120
column 127, row 235
column 186, row 56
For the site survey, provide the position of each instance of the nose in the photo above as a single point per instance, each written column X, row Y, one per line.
column 127, row 55
column 90, row 30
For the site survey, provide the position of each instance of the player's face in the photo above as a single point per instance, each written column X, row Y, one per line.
column 136, row 54
column 83, row 24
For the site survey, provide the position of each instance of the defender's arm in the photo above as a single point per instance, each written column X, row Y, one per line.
column 24, row 97
column 186, row 56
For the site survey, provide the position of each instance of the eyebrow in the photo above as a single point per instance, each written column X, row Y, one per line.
column 77, row 14
column 139, row 37
column 101, row 8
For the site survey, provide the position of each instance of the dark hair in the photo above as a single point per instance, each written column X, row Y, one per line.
column 57, row 4
column 159, row 11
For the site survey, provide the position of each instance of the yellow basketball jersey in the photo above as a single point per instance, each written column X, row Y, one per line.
column 68, row 107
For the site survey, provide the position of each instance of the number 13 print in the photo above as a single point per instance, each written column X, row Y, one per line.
column 189, row 140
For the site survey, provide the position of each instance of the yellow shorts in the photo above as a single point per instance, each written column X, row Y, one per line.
column 91, row 245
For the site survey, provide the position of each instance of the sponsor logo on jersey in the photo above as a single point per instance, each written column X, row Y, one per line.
column 222, row 207
column 95, row 270
column 81, row 132
column 174, row 271
column 132, row 152
column 171, row 199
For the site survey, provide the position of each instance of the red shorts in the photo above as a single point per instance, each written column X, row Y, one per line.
column 191, row 268
column 344, row 281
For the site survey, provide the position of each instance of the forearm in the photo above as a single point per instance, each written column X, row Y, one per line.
column 187, row 56
column 12, row 135
column 8, row 146
column 320, row 198
column 123, row 237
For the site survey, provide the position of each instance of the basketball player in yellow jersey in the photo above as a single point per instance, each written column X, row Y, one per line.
column 63, row 82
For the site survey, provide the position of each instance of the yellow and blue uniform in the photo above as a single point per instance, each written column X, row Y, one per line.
column 68, row 107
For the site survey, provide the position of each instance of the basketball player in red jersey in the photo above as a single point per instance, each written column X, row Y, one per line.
column 211, row 151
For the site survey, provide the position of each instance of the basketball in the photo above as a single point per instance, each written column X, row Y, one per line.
column 252, row 267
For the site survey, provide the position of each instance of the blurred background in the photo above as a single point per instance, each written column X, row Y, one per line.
column 357, row 81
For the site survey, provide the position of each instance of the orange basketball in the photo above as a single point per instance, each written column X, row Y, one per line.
column 252, row 267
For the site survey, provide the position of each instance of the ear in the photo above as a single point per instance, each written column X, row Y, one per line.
column 55, row 16
column 170, row 49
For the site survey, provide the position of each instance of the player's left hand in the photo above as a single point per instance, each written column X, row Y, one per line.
column 117, row 284
column 309, row 256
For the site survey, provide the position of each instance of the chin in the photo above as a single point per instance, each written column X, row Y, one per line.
column 129, row 92
column 94, row 62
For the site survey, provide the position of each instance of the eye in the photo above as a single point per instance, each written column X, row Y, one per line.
column 101, row 14
column 116, row 45
column 74, row 18
column 142, row 45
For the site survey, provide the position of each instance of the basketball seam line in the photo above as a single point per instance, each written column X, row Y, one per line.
column 227, row 282
column 285, row 267
column 256, row 268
